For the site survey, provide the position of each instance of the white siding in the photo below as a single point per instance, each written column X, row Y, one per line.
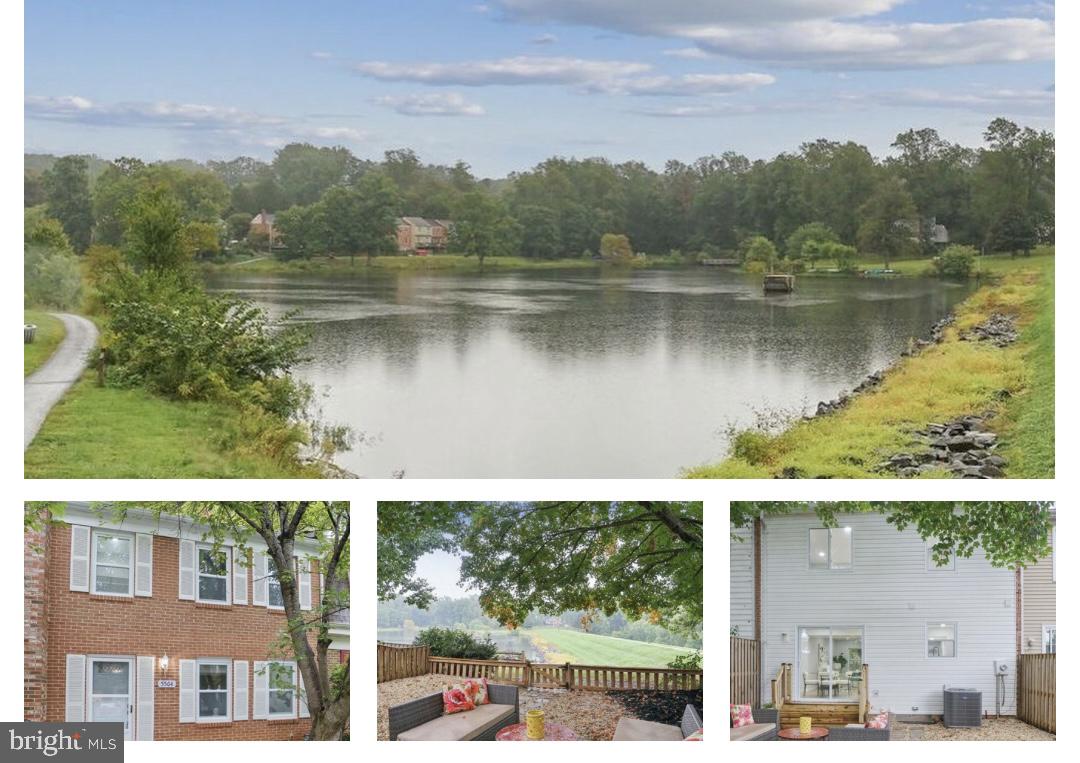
column 889, row 592
column 742, row 582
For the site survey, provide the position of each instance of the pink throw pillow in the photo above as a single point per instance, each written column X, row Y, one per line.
column 881, row 722
column 456, row 699
column 740, row 716
column 697, row 736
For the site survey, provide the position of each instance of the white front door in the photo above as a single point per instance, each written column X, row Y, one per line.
column 829, row 663
column 110, row 685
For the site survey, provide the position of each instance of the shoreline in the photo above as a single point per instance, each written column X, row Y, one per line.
column 943, row 379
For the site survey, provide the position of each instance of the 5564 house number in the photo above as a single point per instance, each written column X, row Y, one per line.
column 167, row 683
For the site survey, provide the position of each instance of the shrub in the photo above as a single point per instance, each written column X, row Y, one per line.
column 51, row 277
column 752, row 446
column 955, row 261
column 447, row 642
column 692, row 661
column 615, row 246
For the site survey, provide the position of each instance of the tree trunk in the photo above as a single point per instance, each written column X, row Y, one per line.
column 330, row 724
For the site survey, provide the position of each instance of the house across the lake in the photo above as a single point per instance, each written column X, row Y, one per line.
column 422, row 235
column 142, row 621
column 861, row 616
column 262, row 225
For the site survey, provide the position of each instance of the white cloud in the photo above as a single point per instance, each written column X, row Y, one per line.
column 815, row 34
column 689, row 53
column 222, row 123
column 544, row 39
column 432, row 105
column 519, row 70
column 321, row 55
column 986, row 100
column 687, row 84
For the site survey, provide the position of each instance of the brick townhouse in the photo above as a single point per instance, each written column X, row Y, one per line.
column 140, row 621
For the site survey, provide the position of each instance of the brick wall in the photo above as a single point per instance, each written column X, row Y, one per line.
column 82, row 623
column 35, row 621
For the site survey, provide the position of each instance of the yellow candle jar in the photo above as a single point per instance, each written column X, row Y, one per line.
column 534, row 724
column 805, row 725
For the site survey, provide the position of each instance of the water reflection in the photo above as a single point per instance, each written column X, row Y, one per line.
column 626, row 374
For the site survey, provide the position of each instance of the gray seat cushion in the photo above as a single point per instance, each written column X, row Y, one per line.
column 458, row 727
column 635, row 729
column 754, row 730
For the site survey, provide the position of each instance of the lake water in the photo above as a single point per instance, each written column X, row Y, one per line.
column 586, row 374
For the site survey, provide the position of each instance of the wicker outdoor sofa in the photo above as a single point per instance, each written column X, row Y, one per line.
column 637, row 730
column 422, row 720
column 764, row 729
column 861, row 734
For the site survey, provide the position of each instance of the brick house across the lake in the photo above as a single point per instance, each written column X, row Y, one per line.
column 142, row 622
column 420, row 234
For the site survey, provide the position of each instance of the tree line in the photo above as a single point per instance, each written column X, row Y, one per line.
column 995, row 197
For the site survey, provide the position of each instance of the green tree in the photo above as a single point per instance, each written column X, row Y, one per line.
column 483, row 227
column 301, row 228
column 956, row 261
column 540, row 232
column 379, row 208
column 405, row 532
column 889, row 222
column 67, row 198
column 202, row 239
column 1010, row 533
column 281, row 525
column 43, row 231
column 794, row 247
column 237, row 225
column 615, row 246
column 304, row 172
column 1014, row 231
column 842, row 254
column 760, row 249
column 154, row 233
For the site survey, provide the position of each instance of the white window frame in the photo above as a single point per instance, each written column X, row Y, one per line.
column 227, row 718
column 1047, row 629
column 829, row 553
column 800, row 667
column 931, row 566
column 199, row 548
column 271, row 581
column 956, row 640
column 270, row 688
column 94, row 535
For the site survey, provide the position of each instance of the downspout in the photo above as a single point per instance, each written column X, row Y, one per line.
column 757, row 605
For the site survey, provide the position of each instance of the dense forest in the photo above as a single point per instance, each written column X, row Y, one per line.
column 465, row 613
column 998, row 196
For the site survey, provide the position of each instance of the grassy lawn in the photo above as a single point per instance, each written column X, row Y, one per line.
column 944, row 381
column 96, row 432
column 591, row 649
column 50, row 332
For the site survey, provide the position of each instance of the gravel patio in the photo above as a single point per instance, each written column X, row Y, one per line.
column 592, row 715
column 992, row 730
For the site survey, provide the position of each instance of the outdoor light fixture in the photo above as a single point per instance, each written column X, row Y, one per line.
column 163, row 662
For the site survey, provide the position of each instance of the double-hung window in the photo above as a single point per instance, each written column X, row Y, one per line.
column 273, row 586
column 213, row 574
column 213, row 690
column 830, row 548
column 282, row 692
column 1049, row 639
column 112, row 562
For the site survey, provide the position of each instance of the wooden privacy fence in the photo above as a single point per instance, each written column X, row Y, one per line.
column 745, row 672
column 402, row 661
column 1036, row 690
column 570, row 676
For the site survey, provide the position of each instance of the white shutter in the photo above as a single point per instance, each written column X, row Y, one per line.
column 261, row 704
column 144, row 565
column 301, row 695
column 304, row 565
column 144, row 697
column 79, row 579
column 188, row 678
column 75, row 689
column 240, row 577
column 187, row 569
column 240, row 690
column 258, row 588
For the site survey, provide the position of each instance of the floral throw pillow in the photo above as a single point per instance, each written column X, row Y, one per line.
column 478, row 689
column 457, row 699
column 880, row 722
column 740, row 716
column 697, row 736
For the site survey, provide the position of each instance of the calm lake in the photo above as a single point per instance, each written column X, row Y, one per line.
column 581, row 374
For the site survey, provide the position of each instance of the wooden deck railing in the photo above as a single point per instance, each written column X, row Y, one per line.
column 401, row 661
column 781, row 686
column 864, row 693
column 569, row 675
column 745, row 672
column 1036, row 690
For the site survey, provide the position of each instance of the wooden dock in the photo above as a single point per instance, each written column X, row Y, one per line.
column 779, row 282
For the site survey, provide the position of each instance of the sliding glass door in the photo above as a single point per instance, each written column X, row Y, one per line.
column 830, row 663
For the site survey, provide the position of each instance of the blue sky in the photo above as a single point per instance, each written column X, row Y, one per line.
column 503, row 84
